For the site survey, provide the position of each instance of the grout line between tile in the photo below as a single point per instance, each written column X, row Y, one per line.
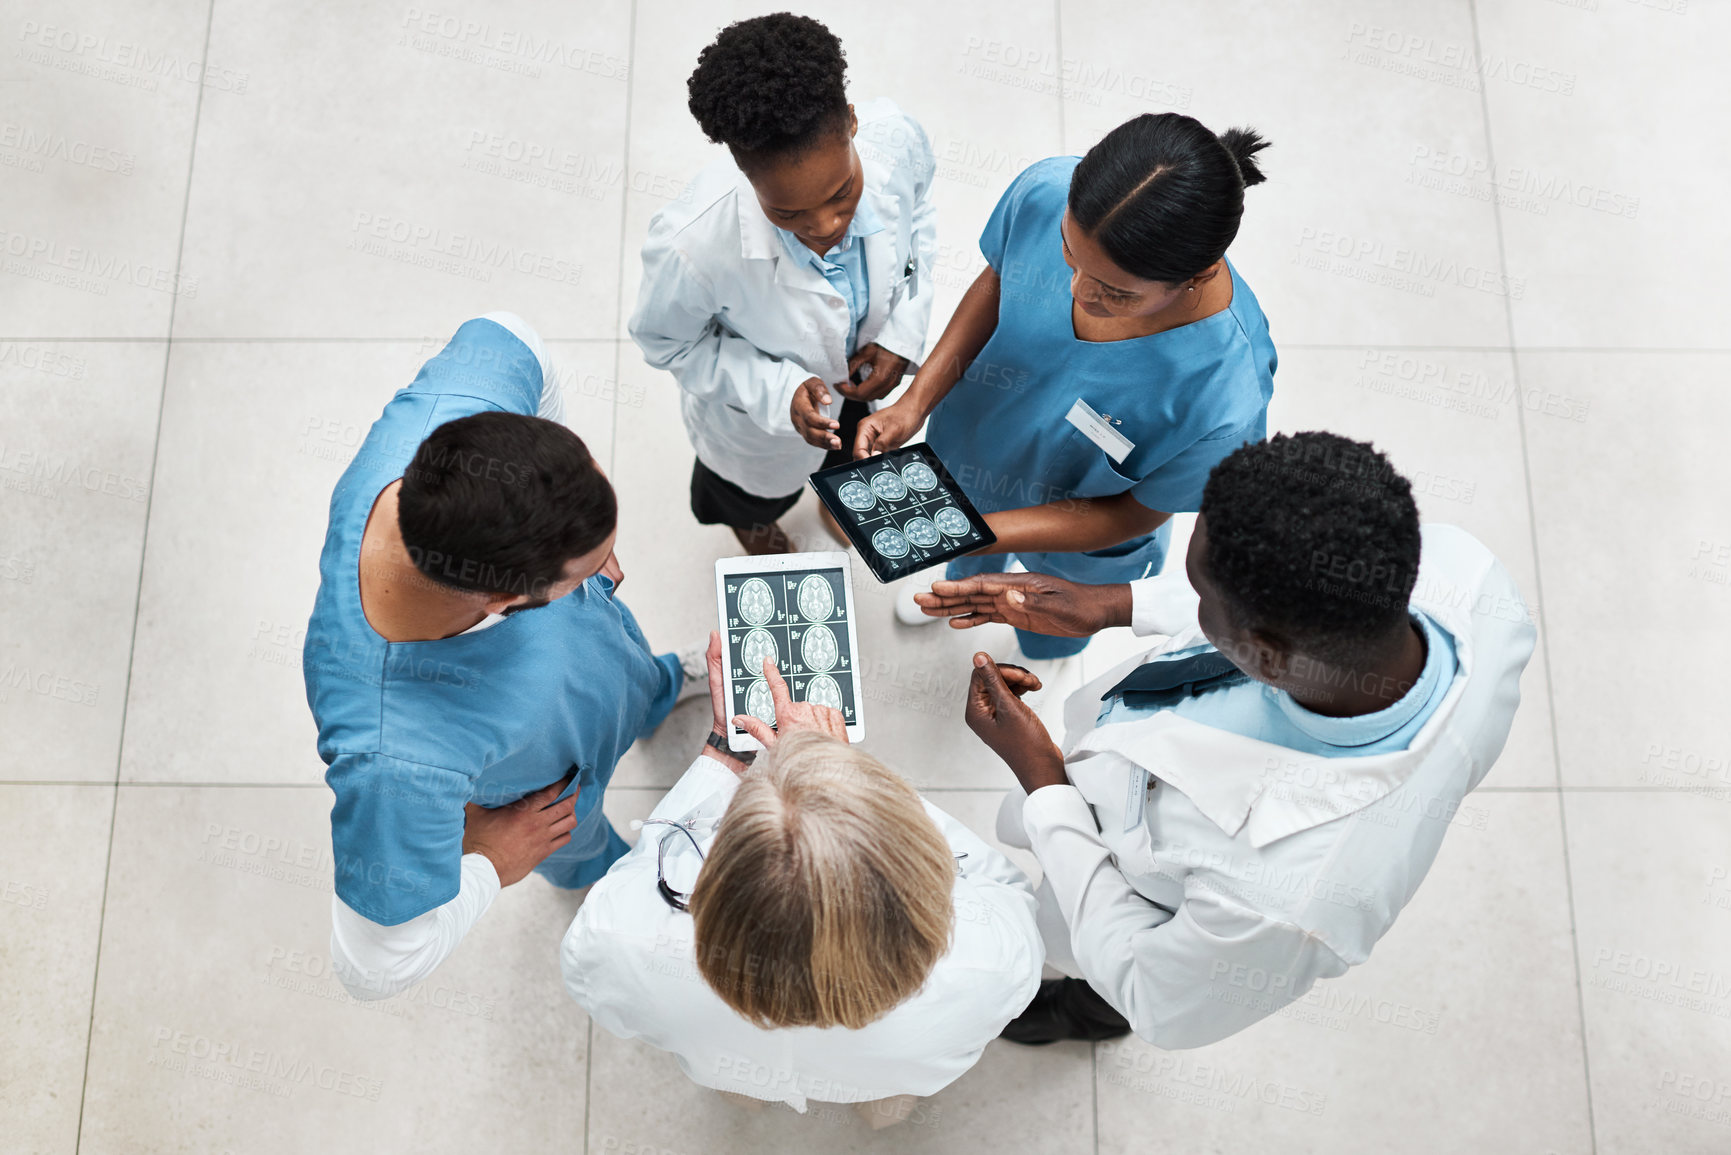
column 589, row 1065
column 625, row 252
column 138, row 593
column 1094, row 1089
column 1058, row 47
column 613, row 457
column 1539, row 584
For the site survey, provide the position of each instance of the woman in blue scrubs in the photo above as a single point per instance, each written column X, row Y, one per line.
column 1103, row 362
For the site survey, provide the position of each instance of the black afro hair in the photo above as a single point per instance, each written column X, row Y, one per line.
column 773, row 85
column 1315, row 538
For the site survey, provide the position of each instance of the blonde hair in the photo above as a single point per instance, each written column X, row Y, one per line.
column 825, row 899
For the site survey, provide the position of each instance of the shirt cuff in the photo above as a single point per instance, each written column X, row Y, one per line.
column 906, row 347
column 1052, row 807
column 480, row 868
column 708, row 766
column 1163, row 605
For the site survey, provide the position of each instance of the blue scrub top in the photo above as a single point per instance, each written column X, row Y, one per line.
column 412, row 731
column 1186, row 397
column 1254, row 710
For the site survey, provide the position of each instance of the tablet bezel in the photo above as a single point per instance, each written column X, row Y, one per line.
column 738, row 740
column 885, row 569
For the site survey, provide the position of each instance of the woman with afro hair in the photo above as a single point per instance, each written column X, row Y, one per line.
column 786, row 289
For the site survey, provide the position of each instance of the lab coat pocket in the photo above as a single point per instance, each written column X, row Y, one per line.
column 899, row 290
column 1116, row 790
column 1137, row 854
column 1134, row 848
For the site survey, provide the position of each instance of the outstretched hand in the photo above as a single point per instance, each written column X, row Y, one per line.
column 1036, row 602
column 997, row 714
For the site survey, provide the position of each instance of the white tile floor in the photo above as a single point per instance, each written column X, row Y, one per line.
column 1491, row 240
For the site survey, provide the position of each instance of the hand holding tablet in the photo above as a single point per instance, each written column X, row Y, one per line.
column 902, row 510
column 795, row 611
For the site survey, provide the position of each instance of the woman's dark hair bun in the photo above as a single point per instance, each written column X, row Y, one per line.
column 1164, row 195
column 1243, row 144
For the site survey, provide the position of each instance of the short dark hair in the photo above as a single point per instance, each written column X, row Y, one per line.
column 497, row 503
column 770, row 87
column 1163, row 195
column 1315, row 538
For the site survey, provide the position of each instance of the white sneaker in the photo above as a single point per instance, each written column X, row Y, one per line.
column 695, row 663
column 908, row 611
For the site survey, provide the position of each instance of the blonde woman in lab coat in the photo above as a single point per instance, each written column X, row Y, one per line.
column 806, row 928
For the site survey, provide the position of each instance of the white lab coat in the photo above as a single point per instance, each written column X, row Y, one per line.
column 741, row 325
column 628, row 960
column 1252, row 870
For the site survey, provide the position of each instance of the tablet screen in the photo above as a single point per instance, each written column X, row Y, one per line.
column 902, row 510
column 799, row 619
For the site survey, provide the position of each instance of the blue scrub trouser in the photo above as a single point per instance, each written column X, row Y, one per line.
column 577, row 864
column 1139, row 557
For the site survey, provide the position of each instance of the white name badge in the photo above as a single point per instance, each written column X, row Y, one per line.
column 1136, row 799
column 1099, row 430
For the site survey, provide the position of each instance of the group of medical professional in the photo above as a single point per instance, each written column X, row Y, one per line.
column 1233, row 815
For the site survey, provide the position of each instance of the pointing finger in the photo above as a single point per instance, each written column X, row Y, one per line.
column 757, row 728
column 777, row 687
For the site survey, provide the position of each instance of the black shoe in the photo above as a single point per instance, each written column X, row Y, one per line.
column 1066, row 1009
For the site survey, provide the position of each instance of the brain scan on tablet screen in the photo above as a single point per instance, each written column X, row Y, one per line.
column 759, row 646
column 794, row 611
column 816, row 599
column 951, row 520
column 888, row 486
column 759, row 703
column 756, row 603
column 921, row 532
column 819, row 649
column 919, row 476
column 857, row 495
column 823, row 691
column 890, row 543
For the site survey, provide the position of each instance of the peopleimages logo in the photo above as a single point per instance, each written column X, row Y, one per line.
column 78, row 262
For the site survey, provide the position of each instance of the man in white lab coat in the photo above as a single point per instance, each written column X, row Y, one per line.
column 787, row 290
column 1246, row 808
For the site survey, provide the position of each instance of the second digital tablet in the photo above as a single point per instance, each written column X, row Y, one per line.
column 902, row 510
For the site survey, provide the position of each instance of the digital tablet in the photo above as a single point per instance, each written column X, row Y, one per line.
column 902, row 510
column 797, row 609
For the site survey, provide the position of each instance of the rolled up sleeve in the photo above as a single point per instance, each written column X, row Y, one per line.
column 396, row 835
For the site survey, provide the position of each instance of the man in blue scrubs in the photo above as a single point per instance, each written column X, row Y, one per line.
column 473, row 677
